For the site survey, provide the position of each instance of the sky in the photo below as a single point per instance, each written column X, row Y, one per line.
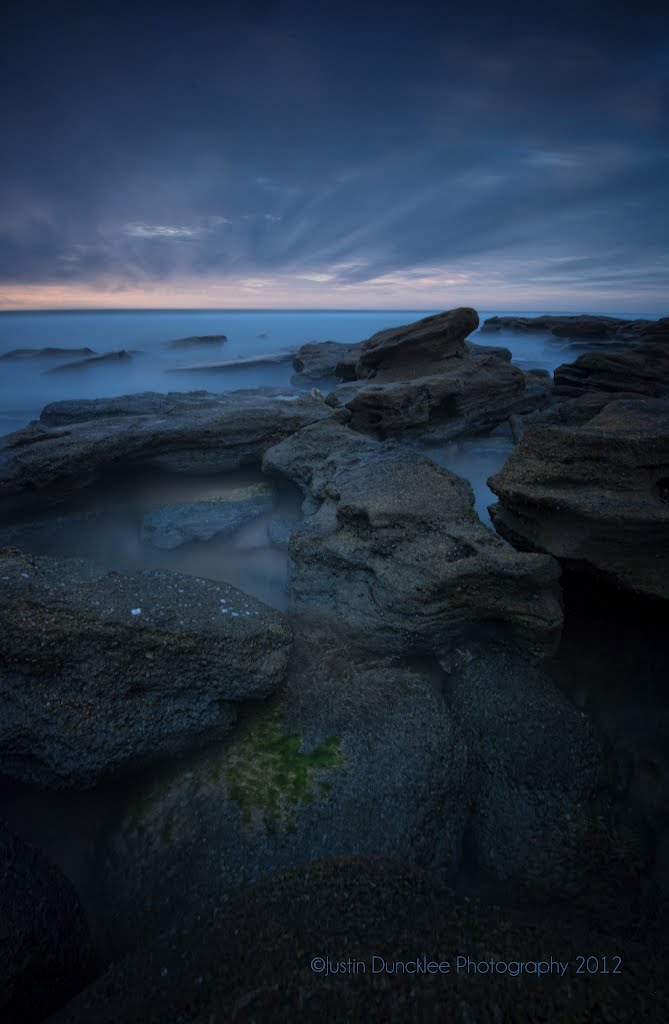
column 269, row 155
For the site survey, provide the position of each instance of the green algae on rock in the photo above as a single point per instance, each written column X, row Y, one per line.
column 272, row 775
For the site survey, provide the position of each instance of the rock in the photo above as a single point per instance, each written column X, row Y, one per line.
column 505, row 354
column 197, row 340
column 20, row 354
column 643, row 370
column 168, row 526
column 392, row 546
column 595, row 496
column 319, row 359
column 539, row 763
column 249, row 956
column 190, row 433
column 428, row 342
column 112, row 358
column 264, row 359
column 471, row 395
column 354, row 756
column 46, row 955
column 102, row 670
column 582, row 326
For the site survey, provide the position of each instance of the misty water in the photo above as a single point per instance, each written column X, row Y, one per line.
column 103, row 522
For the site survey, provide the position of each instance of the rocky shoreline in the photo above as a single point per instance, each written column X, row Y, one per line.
column 403, row 706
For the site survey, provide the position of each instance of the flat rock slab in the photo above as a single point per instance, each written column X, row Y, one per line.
column 595, row 496
column 169, row 526
column 391, row 545
column 192, row 433
column 102, row 669
column 108, row 359
column 583, row 326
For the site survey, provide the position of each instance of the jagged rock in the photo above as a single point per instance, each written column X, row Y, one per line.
column 168, row 526
column 46, row 954
column 643, row 370
column 319, row 359
column 581, row 326
column 197, row 340
column 353, row 756
column 410, row 348
column 470, row 395
column 20, row 354
column 102, row 669
column 595, row 496
column 196, row 432
column 392, row 546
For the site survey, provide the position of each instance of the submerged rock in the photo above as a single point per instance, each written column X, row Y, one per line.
column 19, row 354
column 595, row 496
column 109, row 358
column 354, row 755
column 46, row 954
column 190, row 433
column 392, row 546
column 197, row 340
column 168, row 526
column 99, row 670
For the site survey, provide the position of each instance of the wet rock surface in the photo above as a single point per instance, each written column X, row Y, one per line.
column 392, row 546
column 594, row 496
column 188, row 433
column 197, row 341
column 108, row 359
column 350, row 909
column 169, row 526
column 354, row 755
column 46, row 954
column 99, row 670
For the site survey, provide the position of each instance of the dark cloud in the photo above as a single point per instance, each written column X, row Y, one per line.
column 145, row 142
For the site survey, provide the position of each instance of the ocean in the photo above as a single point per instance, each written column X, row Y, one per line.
column 26, row 386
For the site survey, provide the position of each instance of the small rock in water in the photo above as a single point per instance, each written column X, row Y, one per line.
column 169, row 526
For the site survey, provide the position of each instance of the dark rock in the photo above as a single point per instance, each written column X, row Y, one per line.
column 99, row 670
column 644, row 370
column 595, row 496
column 471, row 395
column 248, row 956
column 582, row 326
column 505, row 354
column 168, row 526
column 190, row 433
column 46, row 955
column 394, row 548
column 197, row 340
column 406, row 349
column 353, row 756
column 539, row 763
column 109, row 358
column 320, row 359
column 19, row 354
